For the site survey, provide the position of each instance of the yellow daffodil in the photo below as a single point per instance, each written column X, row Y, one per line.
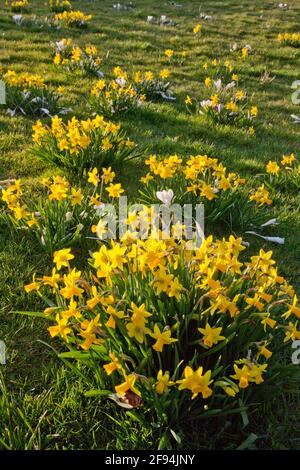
column 196, row 381
column 188, row 100
column 128, row 384
column 163, row 382
column 115, row 190
column 169, row 53
column 197, row 28
column 272, row 168
column 164, row 73
column 60, row 329
column 211, row 335
column 113, row 365
column 162, row 338
column 62, row 257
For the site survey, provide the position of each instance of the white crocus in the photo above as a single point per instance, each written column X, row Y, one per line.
column 218, row 84
column 295, row 118
column 278, row 240
column 230, row 85
column 216, row 187
column 165, row 196
column 68, row 216
column 270, row 222
column 17, row 19
column 205, row 103
column 151, row 19
column 121, row 81
column 60, row 46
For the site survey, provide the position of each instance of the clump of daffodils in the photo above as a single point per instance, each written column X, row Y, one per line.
column 117, row 96
column 18, row 6
column 285, row 173
column 123, row 93
column 175, row 57
column 73, row 19
column 168, row 329
column 153, row 88
column 80, row 145
column 289, row 39
column 219, row 69
column 203, row 179
column 72, row 57
column 226, row 104
column 61, row 214
column 28, row 94
column 59, row 6
column 261, row 196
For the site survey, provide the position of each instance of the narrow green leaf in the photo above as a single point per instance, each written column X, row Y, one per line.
column 96, row 393
column 80, row 355
column 248, row 442
column 33, row 314
column 164, row 443
column 176, row 437
column 244, row 414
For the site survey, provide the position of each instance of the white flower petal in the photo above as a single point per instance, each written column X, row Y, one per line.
column 270, row 222
column 278, row 240
column 165, row 196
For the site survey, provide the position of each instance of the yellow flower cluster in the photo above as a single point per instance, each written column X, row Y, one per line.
column 18, row 5
column 202, row 175
column 226, row 102
column 77, row 135
column 221, row 295
column 112, row 89
column 28, row 93
column 73, row 18
column 23, row 80
column 11, row 196
column 140, row 77
column 233, row 102
column 261, row 196
column 291, row 39
column 123, row 93
column 61, row 214
column 289, row 163
column 58, row 190
column 59, row 6
column 80, row 145
column 224, row 69
column 115, row 96
column 70, row 55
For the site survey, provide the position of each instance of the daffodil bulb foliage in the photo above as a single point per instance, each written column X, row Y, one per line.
column 223, row 101
column 81, row 145
column 28, row 93
column 215, row 69
column 283, row 174
column 73, row 19
column 289, row 39
column 124, row 93
column 68, row 55
column 59, row 6
column 177, row 331
column 230, row 203
column 61, row 214
column 18, row 6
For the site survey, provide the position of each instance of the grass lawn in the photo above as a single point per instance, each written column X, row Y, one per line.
column 42, row 405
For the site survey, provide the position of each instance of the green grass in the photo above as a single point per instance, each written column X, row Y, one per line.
column 42, row 406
